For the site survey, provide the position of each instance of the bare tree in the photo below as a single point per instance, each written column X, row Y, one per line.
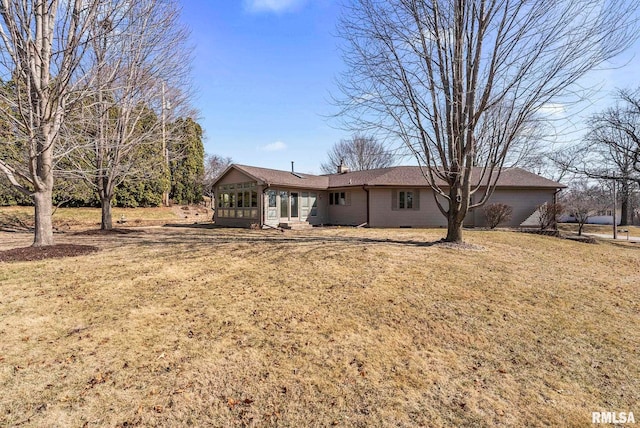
column 43, row 45
column 358, row 153
column 611, row 150
column 582, row 201
column 448, row 77
column 142, row 71
column 497, row 213
column 548, row 214
column 214, row 165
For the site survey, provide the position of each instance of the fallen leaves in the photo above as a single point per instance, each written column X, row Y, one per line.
column 232, row 402
column 98, row 379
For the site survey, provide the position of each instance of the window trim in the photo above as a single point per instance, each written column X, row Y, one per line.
column 340, row 198
column 399, row 200
column 238, row 200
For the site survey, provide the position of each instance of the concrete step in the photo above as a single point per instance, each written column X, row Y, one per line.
column 295, row 225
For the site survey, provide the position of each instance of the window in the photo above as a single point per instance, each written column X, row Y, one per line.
column 272, row 212
column 339, row 198
column 308, row 205
column 314, row 204
column 239, row 199
column 405, row 199
column 294, row 204
column 284, row 204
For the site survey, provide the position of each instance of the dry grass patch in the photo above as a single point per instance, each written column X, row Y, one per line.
column 598, row 228
column 64, row 219
column 328, row 327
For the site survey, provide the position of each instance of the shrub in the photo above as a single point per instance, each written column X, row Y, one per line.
column 548, row 215
column 497, row 213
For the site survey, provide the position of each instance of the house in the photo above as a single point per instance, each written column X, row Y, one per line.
column 387, row 197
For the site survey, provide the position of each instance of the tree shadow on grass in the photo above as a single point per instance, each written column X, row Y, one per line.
column 182, row 239
column 274, row 236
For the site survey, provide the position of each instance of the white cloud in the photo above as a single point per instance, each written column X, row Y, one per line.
column 276, row 6
column 273, row 147
column 553, row 109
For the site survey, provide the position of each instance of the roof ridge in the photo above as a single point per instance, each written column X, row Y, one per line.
column 271, row 169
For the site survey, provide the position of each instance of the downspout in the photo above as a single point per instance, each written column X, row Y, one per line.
column 364, row 187
column 555, row 202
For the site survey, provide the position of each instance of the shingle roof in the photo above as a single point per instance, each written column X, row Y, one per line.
column 285, row 178
column 393, row 176
column 412, row 176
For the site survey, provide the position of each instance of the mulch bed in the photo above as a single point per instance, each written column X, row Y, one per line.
column 545, row 232
column 28, row 254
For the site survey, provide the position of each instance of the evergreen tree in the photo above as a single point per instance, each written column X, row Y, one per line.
column 187, row 167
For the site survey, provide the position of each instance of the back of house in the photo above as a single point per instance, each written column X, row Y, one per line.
column 397, row 196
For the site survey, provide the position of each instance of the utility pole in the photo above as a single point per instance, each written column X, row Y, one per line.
column 615, row 213
column 165, row 150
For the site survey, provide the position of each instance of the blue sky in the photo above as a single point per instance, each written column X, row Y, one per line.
column 264, row 72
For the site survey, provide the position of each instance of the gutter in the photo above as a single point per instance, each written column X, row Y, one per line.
column 555, row 195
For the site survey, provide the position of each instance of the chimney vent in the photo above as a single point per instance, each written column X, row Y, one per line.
column 292, row 170
column 342, row 168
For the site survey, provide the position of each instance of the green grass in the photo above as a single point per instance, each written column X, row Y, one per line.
column 330, row 327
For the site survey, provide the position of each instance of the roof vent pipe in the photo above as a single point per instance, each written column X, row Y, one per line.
column 292, row 167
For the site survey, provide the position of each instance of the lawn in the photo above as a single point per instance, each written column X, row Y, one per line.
column 17, row 217
column 329, row 327
column 599, row 228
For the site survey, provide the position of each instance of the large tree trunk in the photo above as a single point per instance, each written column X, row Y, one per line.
column 454, row 229
column 455, row 218
column 107, row 222
column 625, row 196
column 624, row 212
column 459, row 191
column 43, row 235
column 43, row 194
